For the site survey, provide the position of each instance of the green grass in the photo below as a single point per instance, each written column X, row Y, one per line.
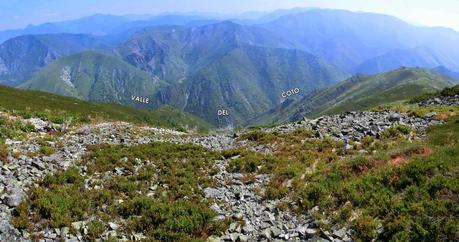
column 395, row 94
column 443, row 112
column 47, row 150
column 56, row 108
column 380, row 89
column 13, row 129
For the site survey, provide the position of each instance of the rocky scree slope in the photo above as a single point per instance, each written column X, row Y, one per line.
column 234, row 198
column 26, row 164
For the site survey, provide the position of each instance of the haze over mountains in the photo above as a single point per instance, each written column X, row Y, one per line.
column 351, row 39
column 201, row 65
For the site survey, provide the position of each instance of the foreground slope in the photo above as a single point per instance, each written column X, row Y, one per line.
column 55, row 107
column 295, row 182
column 361, row 92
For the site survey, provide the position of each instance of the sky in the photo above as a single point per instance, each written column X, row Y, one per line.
column 20, row 13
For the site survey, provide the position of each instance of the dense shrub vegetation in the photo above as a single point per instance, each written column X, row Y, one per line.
column 13, row 129
column 447, row 92
column 450, row 91
column 404, row 191
column 155, row 188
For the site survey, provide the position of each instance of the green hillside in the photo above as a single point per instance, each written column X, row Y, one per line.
column 22, row 56
column 242, row 69
column 199, row 70
column 94, row 76
column 247, row 81
column 174, row 52
column 52, row 106
column 361, row 93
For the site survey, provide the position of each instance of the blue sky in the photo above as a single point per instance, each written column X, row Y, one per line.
column 19, row 13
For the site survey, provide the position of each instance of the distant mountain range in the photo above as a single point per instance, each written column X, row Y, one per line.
column 22, row 56
column 445, row 71
column 102, row 24
column 360, row 92
column 201, row 64
column 355, row 40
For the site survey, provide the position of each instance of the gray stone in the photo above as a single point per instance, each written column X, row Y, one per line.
column 39, row 124
column 111, row 234
column 219, row 218
column 301, row 230
column 15, row 197
column 113, row 226
column 276, row 232
column 310, row 231
column 234, row 236
column 65, row 231
column 341, row 233
column 318, row 239
column 248, row 228
column 266, row 233
column 138, row 236
column 212, row 192
column 430, row 115
column 39, row 165
column 233, row 226
column 4, row 226
column 243, row 238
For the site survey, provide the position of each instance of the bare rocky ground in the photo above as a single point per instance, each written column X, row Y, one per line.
column 260, row 220
column 356, row 125
column 441, row 101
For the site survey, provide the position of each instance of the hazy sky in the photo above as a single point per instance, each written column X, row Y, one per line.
column 19, row 13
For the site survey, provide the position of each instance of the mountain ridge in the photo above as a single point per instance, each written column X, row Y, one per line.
column 360, row 92
column 94, row 76
column 342, row 36
column 22, row 56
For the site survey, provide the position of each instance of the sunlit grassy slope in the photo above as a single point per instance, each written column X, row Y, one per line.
column 34, row 102
column 361, row 93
